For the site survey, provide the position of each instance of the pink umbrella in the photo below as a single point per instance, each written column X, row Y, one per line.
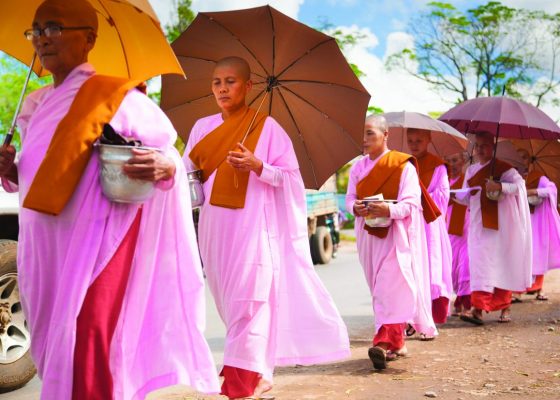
column 446, row 140
column 503, row 117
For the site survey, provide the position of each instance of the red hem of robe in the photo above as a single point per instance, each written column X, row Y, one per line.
column 392, row 334
column 487, row 301
column 239, row 382
column 440, row 310
column 97, row 321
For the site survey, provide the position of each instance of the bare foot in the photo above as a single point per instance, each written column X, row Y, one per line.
column 505, row 316
column 262, row 387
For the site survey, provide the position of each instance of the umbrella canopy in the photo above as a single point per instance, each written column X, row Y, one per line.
column 446, row 140
column 507, row 152
column 314, row 94
column 130, row 41
column 545, row 156
column 503, row 117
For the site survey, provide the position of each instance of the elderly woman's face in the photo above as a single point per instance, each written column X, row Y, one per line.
column 60, row 54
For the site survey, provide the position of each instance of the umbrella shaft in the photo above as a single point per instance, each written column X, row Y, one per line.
column 254, row 117
column 10, row 134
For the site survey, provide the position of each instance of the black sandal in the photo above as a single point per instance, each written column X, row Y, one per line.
column 472, row 319
column 409, row 330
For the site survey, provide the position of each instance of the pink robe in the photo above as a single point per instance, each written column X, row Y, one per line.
column 395, row 266
column 545, row 223
column 459, row 245
column 439, row 247
column 159, row 336
column 500, row 258
column 258, row 265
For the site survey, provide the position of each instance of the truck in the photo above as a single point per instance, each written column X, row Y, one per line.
column 322, row 222
column 16, row 365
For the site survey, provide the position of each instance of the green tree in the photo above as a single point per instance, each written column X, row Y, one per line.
column 184, row 16
column 12, row 79
column 489, row 50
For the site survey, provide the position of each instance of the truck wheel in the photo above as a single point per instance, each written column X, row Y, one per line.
column 322, row 245
column 16, row 366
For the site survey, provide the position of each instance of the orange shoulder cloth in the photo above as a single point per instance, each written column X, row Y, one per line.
column 458, row 212
column 230, row 187
column 489, row 208
column 385, row 178
column 71, row 146
column 427, row 165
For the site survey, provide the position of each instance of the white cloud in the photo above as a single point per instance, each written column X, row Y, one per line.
column 393, row 90
column 165, row 9
column 550, row 6
column 397, row 42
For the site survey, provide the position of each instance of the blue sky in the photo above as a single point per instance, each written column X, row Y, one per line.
column 384, row 25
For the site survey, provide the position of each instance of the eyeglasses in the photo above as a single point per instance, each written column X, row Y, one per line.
column 51, row 31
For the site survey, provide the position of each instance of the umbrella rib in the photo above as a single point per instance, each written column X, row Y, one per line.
column 273, row 44
column 301, row 138
column 236, row 38
column 119, row 35
column 303, row 55
column 318, row 110
column 283, row 83
column 188, row 102
column 180, row 57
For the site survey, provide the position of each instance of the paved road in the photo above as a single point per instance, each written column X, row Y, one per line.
column 344, row 279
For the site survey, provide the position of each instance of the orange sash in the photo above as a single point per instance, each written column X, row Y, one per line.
column 428, row 164
column 458, row 212
column 71, row 146
column 385, row 178
column 488, row 208
column 532, row 182
column 210, row 153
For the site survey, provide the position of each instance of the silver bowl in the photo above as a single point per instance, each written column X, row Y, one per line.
column 378, row 222
column 116, row 185
column 534, row 200
column 195, row 188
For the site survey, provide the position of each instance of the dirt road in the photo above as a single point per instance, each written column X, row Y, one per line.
column 519, row 360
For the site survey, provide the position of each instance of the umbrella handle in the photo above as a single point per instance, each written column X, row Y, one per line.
column 235, row 179
column 10, row 134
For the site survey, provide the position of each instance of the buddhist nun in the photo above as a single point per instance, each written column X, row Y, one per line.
column 254, row 244
column 433, row 175
column 458, row 229
column 500, row 238
column 106, row 319
column 392, row 255
column 545, row 223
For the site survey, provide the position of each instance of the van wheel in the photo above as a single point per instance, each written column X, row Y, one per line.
column 16, row 366
column 321, row 245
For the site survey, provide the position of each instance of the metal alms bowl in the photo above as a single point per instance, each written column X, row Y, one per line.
column 535, row 200
column 116, row 185
column 378, row 222
column 195, row 188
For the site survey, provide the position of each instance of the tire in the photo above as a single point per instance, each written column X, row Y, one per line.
column 16, row 366
column 321, row 245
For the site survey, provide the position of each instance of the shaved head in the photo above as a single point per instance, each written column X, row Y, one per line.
column 414, row 131
column 69, row 13
column 237, row 63
column 378, row 122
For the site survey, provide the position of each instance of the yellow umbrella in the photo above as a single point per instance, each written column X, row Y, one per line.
column 130, row 40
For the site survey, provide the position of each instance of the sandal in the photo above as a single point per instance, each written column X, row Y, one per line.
column 409, row 330
column 515, row 300
column 541, row 297
column 504, row 318
column 426, row 338
column 472, row 319
column 378, row 357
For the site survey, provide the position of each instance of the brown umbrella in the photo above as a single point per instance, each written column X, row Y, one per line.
column 313, row 92
column 446, row 140
column 545, row 156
